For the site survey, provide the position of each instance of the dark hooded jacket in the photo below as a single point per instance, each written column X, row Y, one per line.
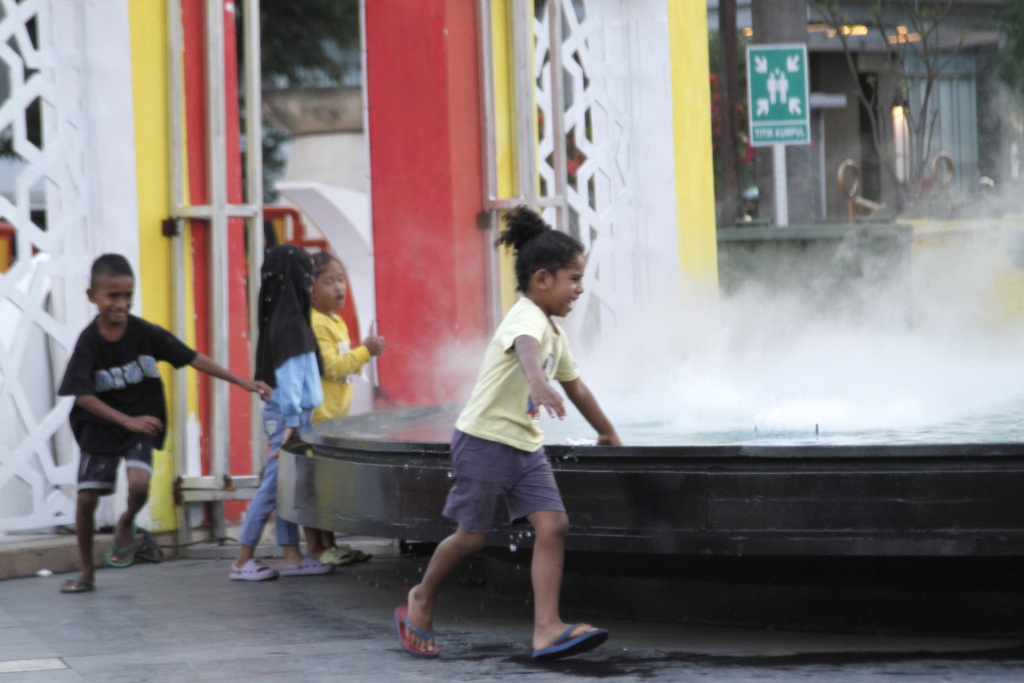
column 284, row 309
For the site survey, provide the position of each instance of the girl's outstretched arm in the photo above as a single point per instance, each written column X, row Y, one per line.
column 543, row 394
column 581, row 397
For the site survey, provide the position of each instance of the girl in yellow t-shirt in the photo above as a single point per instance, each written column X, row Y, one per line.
column 497, row 448
column 341, row 362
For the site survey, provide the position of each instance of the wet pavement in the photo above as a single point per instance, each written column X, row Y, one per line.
column 183, row 620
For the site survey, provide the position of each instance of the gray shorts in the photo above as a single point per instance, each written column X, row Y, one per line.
column 99, row 471
column 484, row 471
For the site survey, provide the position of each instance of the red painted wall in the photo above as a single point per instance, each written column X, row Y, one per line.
column 424, row 131
column 193, row 66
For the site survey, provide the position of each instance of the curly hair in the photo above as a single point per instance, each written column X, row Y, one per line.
column 537, row 245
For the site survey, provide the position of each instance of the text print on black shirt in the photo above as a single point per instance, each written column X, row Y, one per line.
column 129, row 373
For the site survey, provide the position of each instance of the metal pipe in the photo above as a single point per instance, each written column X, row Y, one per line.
column 373, row 370
column 506, row 204
column 216, row 126
column 180, row 318
column 485, row 50
column 204, row 211
column 254, row 184
column 175, row 184
column 560, row 197
column 526, row 110
column 553, row 201
column 174, row 81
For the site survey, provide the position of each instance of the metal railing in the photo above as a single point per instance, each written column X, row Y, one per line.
column 219, row 485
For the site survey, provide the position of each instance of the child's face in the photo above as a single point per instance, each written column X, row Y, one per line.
column 112, row 295
column 555, row 294
column 329, row 289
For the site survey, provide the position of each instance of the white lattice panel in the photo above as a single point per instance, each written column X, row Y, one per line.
column 595, row 63
column 618, row 87
column 42, row 121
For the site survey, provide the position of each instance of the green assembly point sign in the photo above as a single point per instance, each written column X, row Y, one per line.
column 777, row 95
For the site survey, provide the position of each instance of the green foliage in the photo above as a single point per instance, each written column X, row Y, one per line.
column 308, row 42
column 1011, row 53
column 303, row 43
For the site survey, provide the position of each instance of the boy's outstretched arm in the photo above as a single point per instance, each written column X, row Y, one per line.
column 581, row 397
column 204, row 363
column 144, row 424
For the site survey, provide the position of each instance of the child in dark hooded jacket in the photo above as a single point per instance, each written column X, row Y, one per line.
column 288, row 359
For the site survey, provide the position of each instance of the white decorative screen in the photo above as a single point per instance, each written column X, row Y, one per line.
column 44, row 203
column 598, row 140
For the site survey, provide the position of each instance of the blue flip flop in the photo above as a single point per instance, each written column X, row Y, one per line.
column 566, row 647
column 400, row 620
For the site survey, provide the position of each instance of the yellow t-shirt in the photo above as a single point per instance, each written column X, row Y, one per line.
column 340, row 363
column 498, row 409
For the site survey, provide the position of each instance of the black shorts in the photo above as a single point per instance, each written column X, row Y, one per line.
column 99, row 471
column 485, row 471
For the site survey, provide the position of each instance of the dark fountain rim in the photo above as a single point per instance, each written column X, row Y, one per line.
column 379, row 432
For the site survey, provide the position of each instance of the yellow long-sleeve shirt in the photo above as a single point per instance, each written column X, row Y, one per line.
column 340, row 363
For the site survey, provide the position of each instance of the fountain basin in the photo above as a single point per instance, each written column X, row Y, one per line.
column 387, row 474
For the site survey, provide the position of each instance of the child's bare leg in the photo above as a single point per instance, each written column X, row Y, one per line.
column 245, row 553
column 327, row 539
column 85, row 528
column 546, row 573
column 450, row 553
column 314, row 544
column 138, row 493
column 291, row 554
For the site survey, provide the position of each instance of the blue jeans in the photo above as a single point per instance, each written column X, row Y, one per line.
column 265, row 500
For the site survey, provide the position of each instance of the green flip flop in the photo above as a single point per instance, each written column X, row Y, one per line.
column 127, row 552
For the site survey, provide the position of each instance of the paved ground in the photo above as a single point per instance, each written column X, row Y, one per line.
column 182, row 620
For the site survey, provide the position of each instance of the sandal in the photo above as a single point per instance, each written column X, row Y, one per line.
column 77, row 585
column 357, row 555
column 338, row 556
column 310, row 566
column 122, row 557
column 253, row 570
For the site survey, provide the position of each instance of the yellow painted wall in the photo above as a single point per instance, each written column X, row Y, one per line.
column 505, row 130
column 155, row 282
column 691, row 107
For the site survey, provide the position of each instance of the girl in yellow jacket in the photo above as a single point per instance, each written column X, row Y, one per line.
column 341, row 362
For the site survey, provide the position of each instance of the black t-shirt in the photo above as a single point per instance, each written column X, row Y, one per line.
column 123, row 374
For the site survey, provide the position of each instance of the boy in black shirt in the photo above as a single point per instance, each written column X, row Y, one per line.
column 119, row 406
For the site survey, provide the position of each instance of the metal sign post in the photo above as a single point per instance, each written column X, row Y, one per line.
column 778, row 103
